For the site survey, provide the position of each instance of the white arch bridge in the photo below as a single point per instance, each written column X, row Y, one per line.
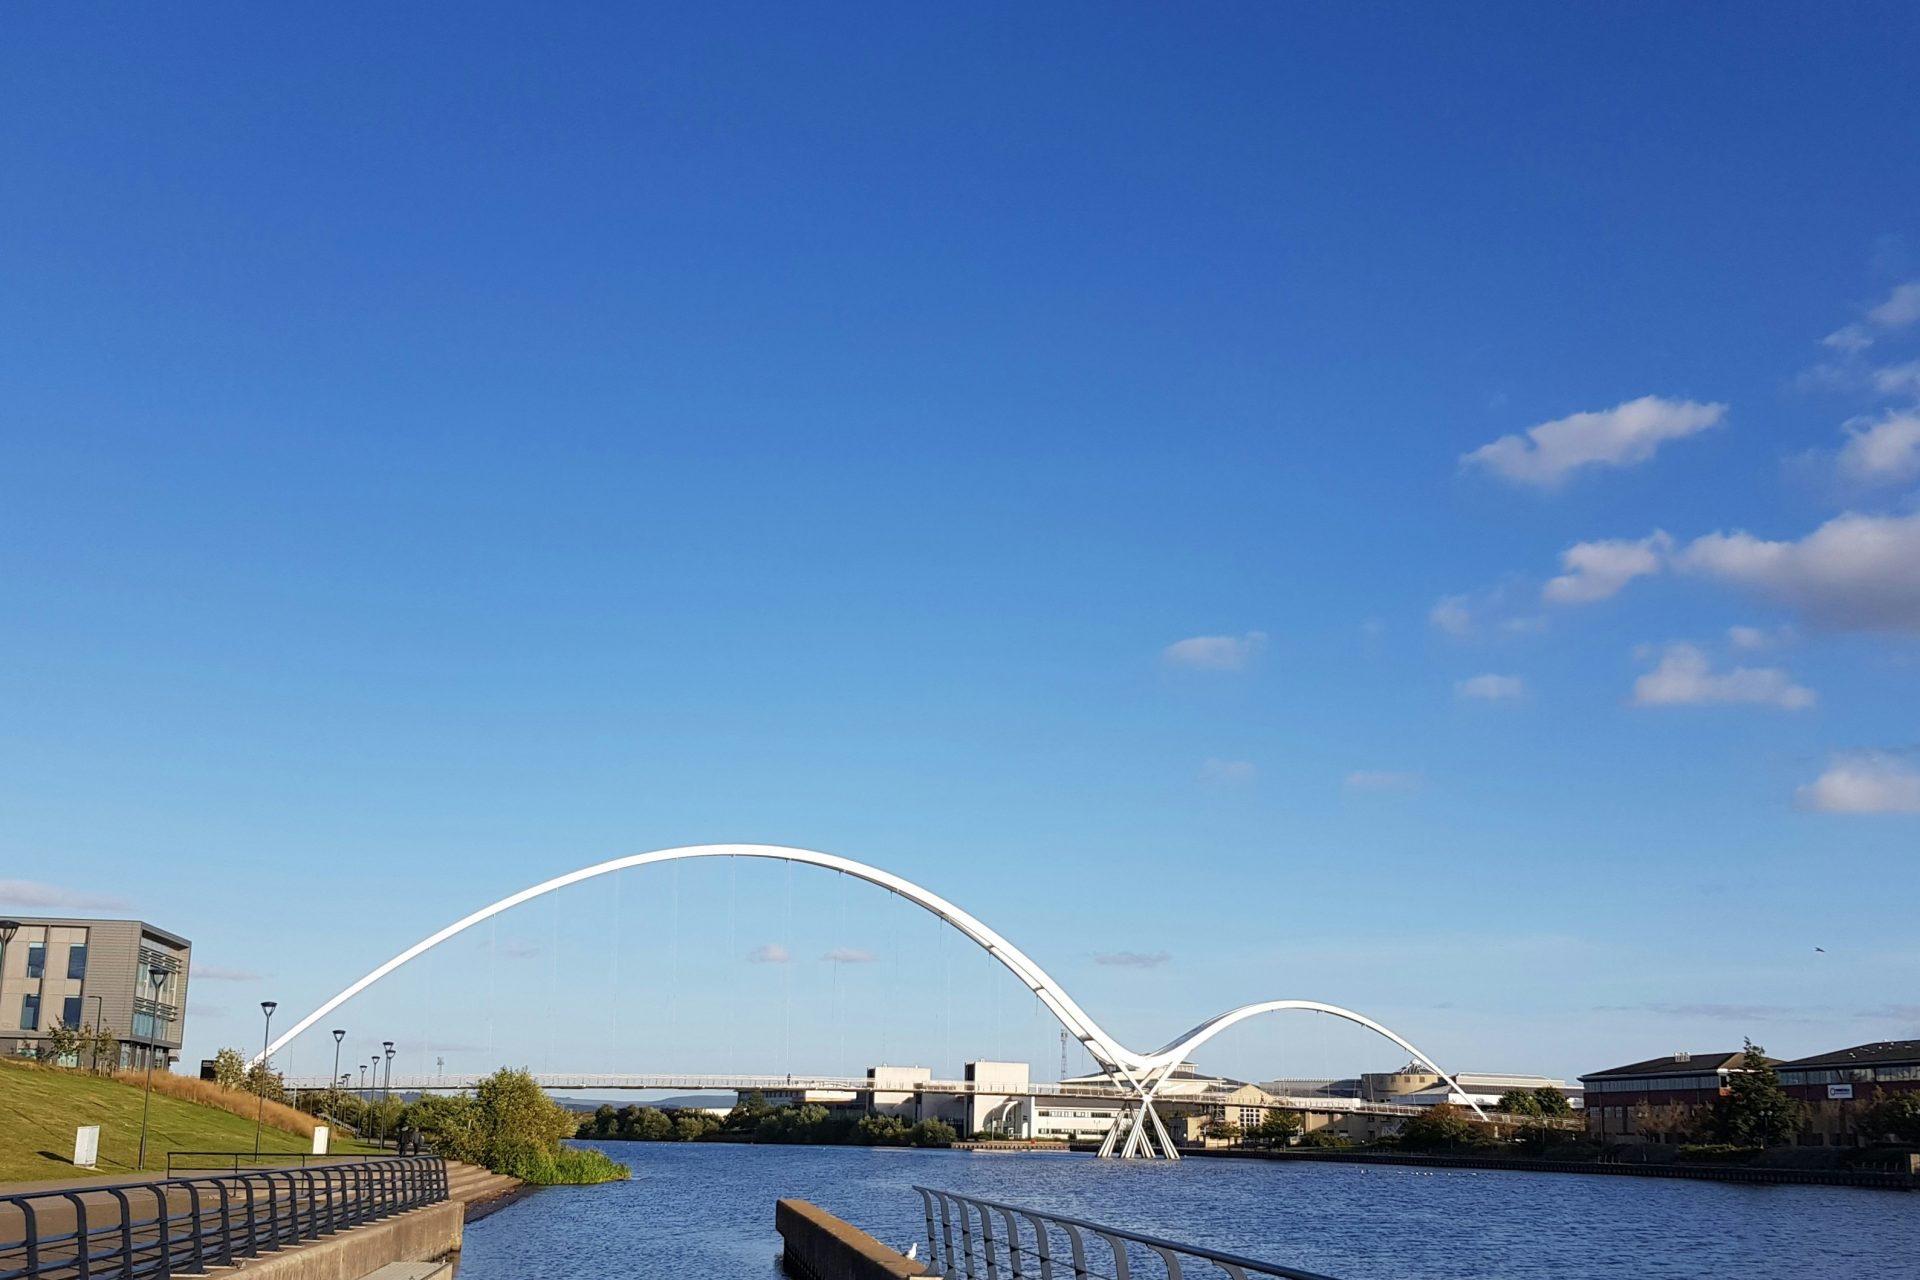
column 1138, row 1076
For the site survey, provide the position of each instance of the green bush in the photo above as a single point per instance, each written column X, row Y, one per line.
column 509, row 1125
column 1325, row 1139
column 931, row 1133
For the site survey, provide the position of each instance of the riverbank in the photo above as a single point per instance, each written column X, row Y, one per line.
column 1700, row 1172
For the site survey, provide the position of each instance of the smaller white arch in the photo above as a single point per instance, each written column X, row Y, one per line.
column 1180, row 1047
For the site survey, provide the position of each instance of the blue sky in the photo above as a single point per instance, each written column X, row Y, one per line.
column 1408, row 509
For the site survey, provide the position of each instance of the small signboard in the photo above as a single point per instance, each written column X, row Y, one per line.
column 86, row 1146
column 320, row 1135
column 1839, row 1093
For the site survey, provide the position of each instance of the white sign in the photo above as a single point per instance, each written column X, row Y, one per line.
column 1840, row 1092
column 86, row 1146
column 320, row 1133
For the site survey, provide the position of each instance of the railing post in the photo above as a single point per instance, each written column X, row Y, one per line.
column 126, row 1229
column 32, row 1242
column 83, row 1247
column 986, row 1242
column 1013, row 1243
column 933, row 1247
column 163, row 1226
column 1043, row 1244
column 198, row 1261
column 966, row 1240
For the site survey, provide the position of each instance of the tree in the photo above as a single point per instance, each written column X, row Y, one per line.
column 1435, row 1129
column 1755, row 1111
column 1221, row 1128
column 605, row 1122
column 103, row 1048
column 229, row 1069
column 882, row 1131
column 1519, row 1102
column 1895, row 1116
column 1552, row 1101
column 748, row 1110
column 63, row 1042
column 265, row 1081
column 691, row 1125
column 1277, row 1127
column 931, row 1133
column 650, row 1124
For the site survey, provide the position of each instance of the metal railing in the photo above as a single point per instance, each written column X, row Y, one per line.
column 234, row 1161
column 183, row 1226
column 966, row 1243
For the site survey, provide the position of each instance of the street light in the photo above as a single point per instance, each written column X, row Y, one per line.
column 379, row 1121
column 266, row 1037
column 7, row 929
column 99, row 1016
column 338, row 1036
column 363, row 1091
column 386, row 1090
column 158, row 978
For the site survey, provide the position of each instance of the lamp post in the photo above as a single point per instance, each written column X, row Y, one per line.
column 158, row 978
column 7, row 929
column 363, row 1091
column 338, row 1036
column 266, row 1038
column 373, row 1089
column 99, row 1016
column 386, row 1090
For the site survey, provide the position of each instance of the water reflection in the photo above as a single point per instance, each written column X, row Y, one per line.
column 695, row 1211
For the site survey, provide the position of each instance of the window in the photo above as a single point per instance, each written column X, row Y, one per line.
column 36, row 959
column 70, row 1011
column 77, row 961
column 29, row 1013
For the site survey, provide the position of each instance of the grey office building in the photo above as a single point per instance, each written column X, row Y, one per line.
column 94, row 973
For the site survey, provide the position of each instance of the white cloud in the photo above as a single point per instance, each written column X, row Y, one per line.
column 1452, row 615
column 220, row 973
column 849, row 955
column 1384, row 780
column 1491, row 688
column 1481, row 614
column 1753, row 638
column 1901, row 308
column 1849, row 339
column 1228, row 772
column 1855, row 572
column 1898, row 379
column 1215, row 653
column 1133, row 959
column 1618, row 437
column 1597, row 570
column 1685, row 678
column 1886, row 451
column 769, row 953
column 31, row 893
column 1866, row 782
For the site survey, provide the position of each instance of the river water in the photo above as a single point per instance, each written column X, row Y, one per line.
column 697, row 1211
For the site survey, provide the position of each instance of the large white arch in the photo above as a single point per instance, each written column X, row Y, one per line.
column 1143, row 1072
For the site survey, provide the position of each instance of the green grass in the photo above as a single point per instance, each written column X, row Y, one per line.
column 41, row 1107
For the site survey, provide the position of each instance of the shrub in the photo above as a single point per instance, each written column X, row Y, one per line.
column 1325, row 1139
column 931, row 1133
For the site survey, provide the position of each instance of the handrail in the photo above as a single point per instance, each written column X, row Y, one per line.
column 233, row 1160
column 1027, row 1250
column 174, row 1226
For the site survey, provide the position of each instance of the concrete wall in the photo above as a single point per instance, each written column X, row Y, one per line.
column 820, row 1246
column 423, row 1235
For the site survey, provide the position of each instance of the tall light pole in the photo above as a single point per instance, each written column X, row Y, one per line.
column 266, row 1038
column 99, row 1016
column 158, row 978
column 7, row 929
column 386, row 1090
column 338, row 1036
column 363, row 1092
column 373, row 1089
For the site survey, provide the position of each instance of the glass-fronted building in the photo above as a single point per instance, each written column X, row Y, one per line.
column 87, row 974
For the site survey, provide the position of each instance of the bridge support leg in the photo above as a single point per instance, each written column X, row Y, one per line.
column 1138, row 1133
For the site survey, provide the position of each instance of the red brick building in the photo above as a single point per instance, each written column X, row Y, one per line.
column 1659, row 1100
column 1836, row 1085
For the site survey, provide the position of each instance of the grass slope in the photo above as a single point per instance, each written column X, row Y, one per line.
column 41, row 1107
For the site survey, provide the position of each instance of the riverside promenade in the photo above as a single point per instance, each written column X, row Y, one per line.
column 338, row 1219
